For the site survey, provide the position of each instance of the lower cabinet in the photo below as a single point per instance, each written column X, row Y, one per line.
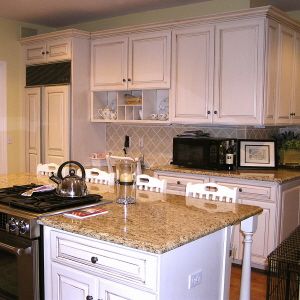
column 280, row 204
column 69, row 283
column 81, row 268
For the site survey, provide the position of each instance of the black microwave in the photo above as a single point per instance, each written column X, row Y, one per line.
column 202, row 152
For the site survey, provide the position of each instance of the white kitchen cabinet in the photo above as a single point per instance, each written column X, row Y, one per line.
column 288, row 107
column 239, row 67
column 56, row 124
column 80, row 130
column 290, row 210
column 85, row 267
column 192, row 74
column 148, row 106
column 69, row 283
column 135, row 61
column 33, row 128
column 47, row 51
column 280, row 203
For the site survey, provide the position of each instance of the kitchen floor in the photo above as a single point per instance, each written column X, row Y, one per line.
column 258, row 284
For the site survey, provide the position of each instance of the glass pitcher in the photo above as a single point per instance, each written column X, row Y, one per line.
column 125, row 170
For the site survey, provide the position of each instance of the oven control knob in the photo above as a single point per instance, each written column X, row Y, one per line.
column 23, row 227
column 12, row 224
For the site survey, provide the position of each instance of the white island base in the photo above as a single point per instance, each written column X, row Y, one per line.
column 82, row 268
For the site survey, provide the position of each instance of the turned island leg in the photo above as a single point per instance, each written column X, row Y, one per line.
column 248, row 227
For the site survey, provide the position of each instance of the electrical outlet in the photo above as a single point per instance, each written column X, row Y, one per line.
column 195, row 279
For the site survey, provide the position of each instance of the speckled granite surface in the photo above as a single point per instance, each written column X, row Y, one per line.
column 275, row 175
column 156, row 223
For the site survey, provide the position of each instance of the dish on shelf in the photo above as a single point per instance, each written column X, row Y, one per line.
column 132, row 100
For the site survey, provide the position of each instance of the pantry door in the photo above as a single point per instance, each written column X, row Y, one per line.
column 3, row 119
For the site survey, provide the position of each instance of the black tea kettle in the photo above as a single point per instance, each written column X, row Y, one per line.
column 72, row 185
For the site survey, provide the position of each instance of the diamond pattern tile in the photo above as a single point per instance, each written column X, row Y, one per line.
column 157, row 147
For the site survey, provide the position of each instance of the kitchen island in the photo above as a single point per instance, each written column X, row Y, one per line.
column 163, row 247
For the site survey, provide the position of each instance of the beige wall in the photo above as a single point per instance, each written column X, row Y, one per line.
column 167, row 14
column 10, row 52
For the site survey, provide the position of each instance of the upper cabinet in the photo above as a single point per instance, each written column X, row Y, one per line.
column 288, row 90
column 192, row 76
column 48, row 51
column 134, row 61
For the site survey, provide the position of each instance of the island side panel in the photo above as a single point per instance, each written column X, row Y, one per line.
column 207, row 259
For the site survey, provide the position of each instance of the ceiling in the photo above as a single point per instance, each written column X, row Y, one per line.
column 59, row 13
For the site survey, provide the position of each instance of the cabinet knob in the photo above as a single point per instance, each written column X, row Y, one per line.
column 178, row 182
column 124, row 80
column 43, row 52
column 47, row 52
column 89, row 297
column 215, row 112
column 94, row 259
column 240, row 189
column 208, row 112
column 129, row 79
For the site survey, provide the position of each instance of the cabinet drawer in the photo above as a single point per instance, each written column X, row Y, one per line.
column 246, row 191
column 110, row 261
column 177, row 185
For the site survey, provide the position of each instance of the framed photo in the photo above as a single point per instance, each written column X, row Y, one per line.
column 257, row 154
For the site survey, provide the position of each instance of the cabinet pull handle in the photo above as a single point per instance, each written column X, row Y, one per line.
column 129, row 79
column 208, row 112
column 240, row 189
column 178, row 182
column 94, row 259
column 215, row 112
column 89, row 298
column 124, row 80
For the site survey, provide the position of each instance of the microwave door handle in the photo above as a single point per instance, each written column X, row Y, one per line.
column 14, row 250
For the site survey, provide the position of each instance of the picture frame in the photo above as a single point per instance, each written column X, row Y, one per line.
column 257, row 154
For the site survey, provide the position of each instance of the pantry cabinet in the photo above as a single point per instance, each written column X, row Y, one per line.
column 135, row 61
column 280, row 203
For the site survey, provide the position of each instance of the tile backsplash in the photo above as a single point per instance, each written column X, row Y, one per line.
column 155, row 142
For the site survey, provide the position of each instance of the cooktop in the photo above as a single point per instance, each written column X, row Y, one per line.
column 41, row 202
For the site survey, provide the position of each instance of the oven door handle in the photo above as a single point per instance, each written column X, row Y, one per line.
column 15, row 250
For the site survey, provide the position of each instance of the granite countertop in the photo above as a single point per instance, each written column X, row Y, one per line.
column 157, row 222
column 273, row 175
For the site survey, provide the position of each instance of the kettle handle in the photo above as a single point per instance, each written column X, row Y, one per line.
column 59, row 172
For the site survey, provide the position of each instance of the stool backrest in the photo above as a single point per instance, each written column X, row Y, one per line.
column 47, row 169
column 148, row 183
column 95, row 175
column 211, row 191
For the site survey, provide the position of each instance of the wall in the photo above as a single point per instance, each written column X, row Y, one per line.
column 157, row 140
column 10, row 52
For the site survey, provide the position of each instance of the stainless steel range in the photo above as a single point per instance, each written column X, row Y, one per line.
column 21, row 264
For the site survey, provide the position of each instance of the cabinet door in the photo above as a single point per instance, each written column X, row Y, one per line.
column 192, row 74
column 56, row 124
column 58, row 50
column 264, row 237
column 35, row 53
column 239, row 59
column 149, row 60
column 33, row 128
column 290, row 209
column 296, row 86
column 110, row 290
column 285, row 75
column 68, row 283
column 109, row 64
column 271, row 71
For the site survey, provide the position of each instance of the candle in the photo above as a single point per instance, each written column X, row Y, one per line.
column 126, row 177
